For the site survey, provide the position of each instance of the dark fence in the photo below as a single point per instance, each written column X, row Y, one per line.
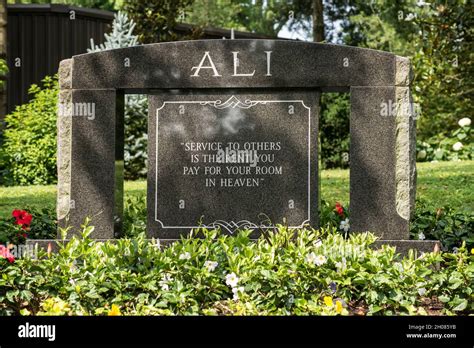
column 40, row 36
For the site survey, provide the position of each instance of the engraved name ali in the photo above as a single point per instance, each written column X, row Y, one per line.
column 207, row 63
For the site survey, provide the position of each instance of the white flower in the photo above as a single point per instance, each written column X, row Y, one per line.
column 421, row 236
column 341, row 265
column 237, row 291
column 463, row 122
column 421, row 154
column 458, row 146
column 256, row 258
column 311, row 258
column 164, row 282
column 345, row 225
column 231, row 280
column 421, row 3
column 210, row 265
column 422, row 291
column 316, row 259
column 185, row 256
column 320, row 260
column 319, row 243
column 410, row 17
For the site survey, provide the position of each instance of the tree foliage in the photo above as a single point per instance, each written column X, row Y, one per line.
column 156, row 20
column 437, row 36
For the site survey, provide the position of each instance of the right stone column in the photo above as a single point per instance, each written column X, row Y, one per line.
column 382, row 161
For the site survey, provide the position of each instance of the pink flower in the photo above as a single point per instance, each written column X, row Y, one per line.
column 5, row 253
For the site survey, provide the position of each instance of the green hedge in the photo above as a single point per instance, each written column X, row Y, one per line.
column 28, row 154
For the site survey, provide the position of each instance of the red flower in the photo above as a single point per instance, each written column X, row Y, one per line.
column 22, row 218
column 5, row 253
column 16, row 213
column 339, row 209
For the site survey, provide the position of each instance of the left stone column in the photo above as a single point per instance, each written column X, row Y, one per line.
column 89, row 157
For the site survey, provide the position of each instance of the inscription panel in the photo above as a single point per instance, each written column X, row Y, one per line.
column 232, row 160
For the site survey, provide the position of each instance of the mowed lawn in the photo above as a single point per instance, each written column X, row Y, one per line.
column 439, row 184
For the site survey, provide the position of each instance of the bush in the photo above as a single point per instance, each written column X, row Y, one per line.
column 134, row 216
column 334, row 130
column 286, row 272
column 136, row 138
column 451, row 228
column 457, row 146
column 3, row 72
column 28, row 154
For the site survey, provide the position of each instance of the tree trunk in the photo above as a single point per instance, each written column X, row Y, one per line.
column 3, row 54
column 318, row 21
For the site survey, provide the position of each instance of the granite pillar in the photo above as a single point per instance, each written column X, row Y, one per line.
column 382, row 156
column 88, row 155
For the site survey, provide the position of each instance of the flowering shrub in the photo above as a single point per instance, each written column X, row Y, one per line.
column 285, row 272
column 334, row 216
column 28, row 223
column 458, row 146
column 22, row 218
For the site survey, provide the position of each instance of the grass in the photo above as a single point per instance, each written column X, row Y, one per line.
column 439, row 184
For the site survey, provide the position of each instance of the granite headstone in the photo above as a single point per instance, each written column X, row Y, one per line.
column 228, row 92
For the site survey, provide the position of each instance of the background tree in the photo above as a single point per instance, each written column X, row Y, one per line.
column 3, row 55
column 136, row 106
column 156, row 19
column 436, row 36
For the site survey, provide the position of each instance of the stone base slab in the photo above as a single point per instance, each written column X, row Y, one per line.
column 403, row 246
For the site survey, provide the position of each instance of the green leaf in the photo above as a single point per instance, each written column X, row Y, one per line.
column 461, row 306
column 375, row 309
column 443, row 298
